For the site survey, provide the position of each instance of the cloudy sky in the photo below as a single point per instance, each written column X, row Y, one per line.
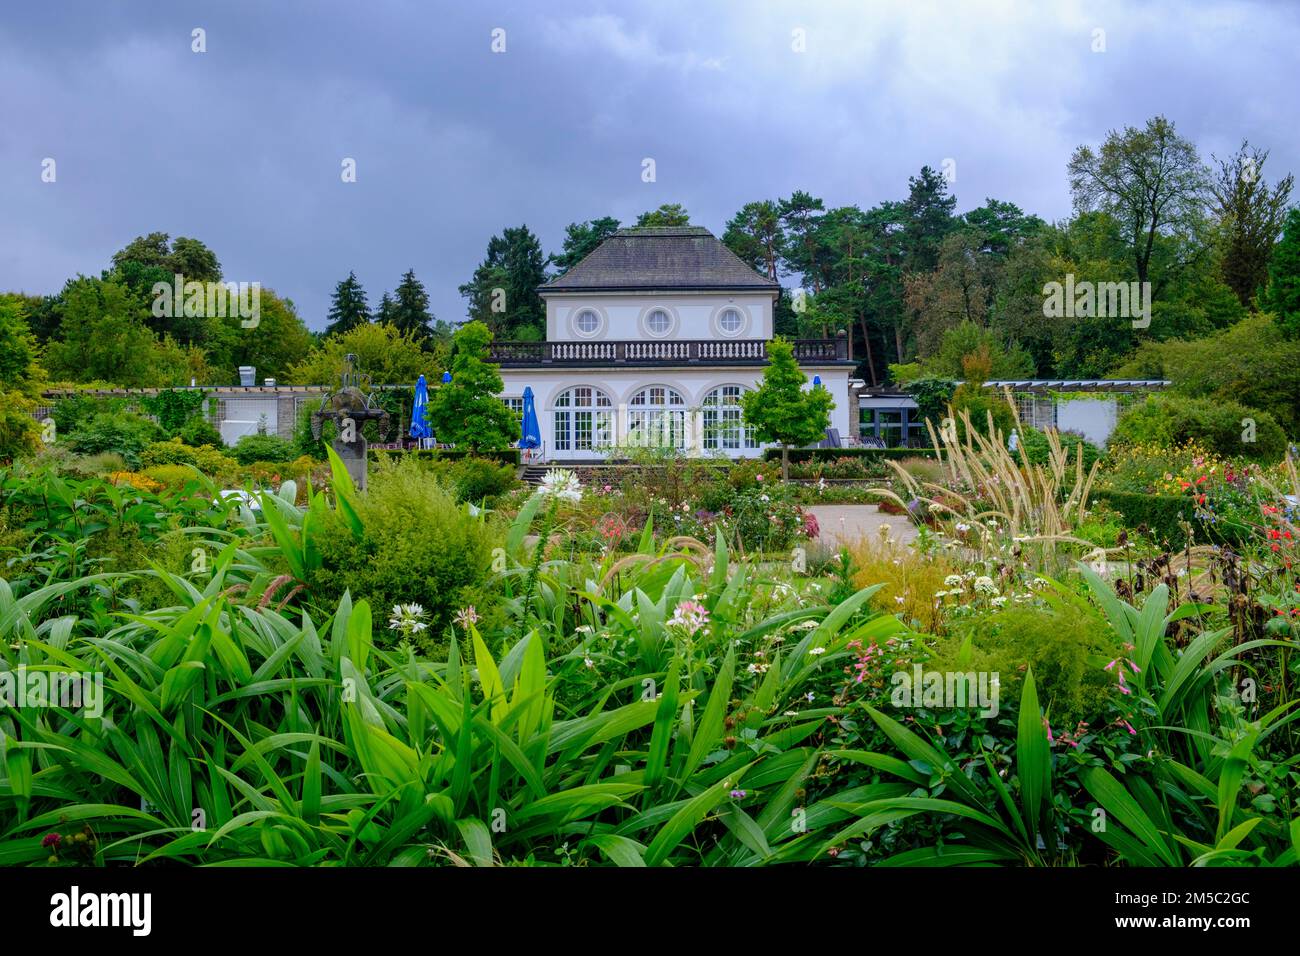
column 242, row 146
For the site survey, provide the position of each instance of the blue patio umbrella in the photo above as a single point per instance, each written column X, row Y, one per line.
column 532, row 429
column 446, row 377
column 420, row 411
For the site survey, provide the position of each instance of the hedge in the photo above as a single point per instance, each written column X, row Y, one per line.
column 1162, row 513
column 831, row 454
column 507, row 456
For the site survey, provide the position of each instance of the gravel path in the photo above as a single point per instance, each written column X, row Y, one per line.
column 842, row 524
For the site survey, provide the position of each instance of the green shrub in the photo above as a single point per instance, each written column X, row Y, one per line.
column 1220, row 426
column 480, row 479
column 1037, row 448
column 199, row 431
column 220, row 468
column 979, row 402
column 19, row 433
column 92, row 466
column 253, row 448
column 932, row 397
column 172, row 476
column 72, row 412
column 419, row 546
column 1162, row 516
column 123, row 433
column 170, row 452
column 1068, row 651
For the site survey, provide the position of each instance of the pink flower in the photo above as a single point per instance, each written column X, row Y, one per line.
column 691, row 616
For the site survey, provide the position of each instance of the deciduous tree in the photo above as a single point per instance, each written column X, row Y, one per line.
column 780, row 410
column 467, row 411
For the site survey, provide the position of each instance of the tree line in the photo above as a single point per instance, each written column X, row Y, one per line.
column 917, row 285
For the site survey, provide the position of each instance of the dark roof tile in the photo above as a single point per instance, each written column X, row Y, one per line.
column 661, row 257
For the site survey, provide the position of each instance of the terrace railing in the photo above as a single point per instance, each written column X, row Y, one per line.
column 662, row 352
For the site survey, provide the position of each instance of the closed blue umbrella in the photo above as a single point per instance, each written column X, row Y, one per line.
column 420, row 411
column 446, row 377
column 532, row 429
column 817, row 380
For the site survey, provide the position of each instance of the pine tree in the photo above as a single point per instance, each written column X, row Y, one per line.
column 580, row 238
column 410, row 312
column 384, row 313
column 780, row 410
column 927, row 219
column 348, row 307
column 669, row 214
column 503, row 292
column 1283, row 294
column 755, row 234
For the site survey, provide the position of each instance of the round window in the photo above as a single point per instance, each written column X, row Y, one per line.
column 658, row 322
column 730, row 321
column 587, row 322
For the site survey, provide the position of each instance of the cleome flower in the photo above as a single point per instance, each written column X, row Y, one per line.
column 466, row 616
column 407, row 619
column 561, row 484
column 690, row 616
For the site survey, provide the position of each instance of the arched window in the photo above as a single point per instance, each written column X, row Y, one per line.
column 657, row 417
column 724, row 422
column 584, row 419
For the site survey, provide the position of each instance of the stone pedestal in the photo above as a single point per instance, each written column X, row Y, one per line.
column 354, row 459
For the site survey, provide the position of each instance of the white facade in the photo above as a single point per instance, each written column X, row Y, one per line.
column 704, row 422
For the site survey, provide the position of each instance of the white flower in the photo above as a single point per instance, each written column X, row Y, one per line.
column 562, row 484
column 406, row 618
column 757, row 668
column 999, row 601
column 810, row 696
column 466, row 616
column 962, row 527
column 985, row 585
column 589, row 662
column 584, row 629
column 816, row 650
column 952, row 581
column 1038, row 583
column 899, row 599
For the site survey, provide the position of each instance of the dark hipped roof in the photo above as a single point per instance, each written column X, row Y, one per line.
column 661, row 257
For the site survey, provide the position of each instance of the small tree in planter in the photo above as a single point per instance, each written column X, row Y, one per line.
column 466, row 411
column 780, row 410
